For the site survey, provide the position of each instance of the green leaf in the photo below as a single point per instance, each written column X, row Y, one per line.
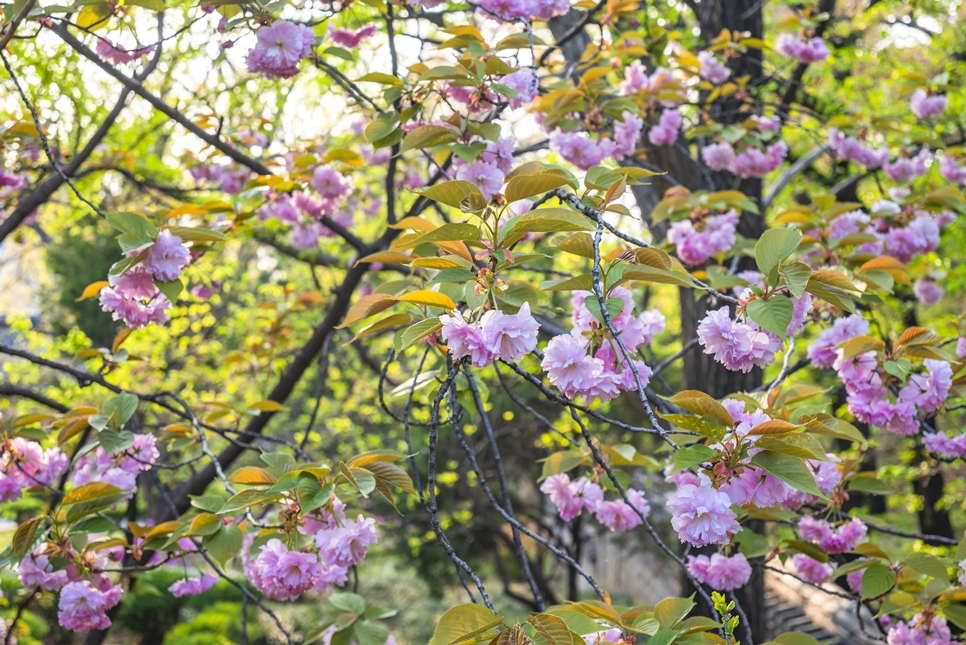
column 93, row 525
column 134, row 224
column 225, row 543
column 929, row 565
column 113, row 441
column 561, row 462
column 458, row 194
column 670, row 611
column 463, row 620
column 796, row 444
column 691, row 456
column 210, row 503
column 23, row 537
column 702, row 404
column 426, row 136
column 664, row 637
column 956, row 615
column 171, row 289
column 339, row 52
column 122, row 407
column 796, row 276
column 369, row 632
column 869, row 483
column 796, row 638
column 774, row 314
column 774, row 246
column 523, row 186
column 413, row 334
column 791, row 470
column 614, row 307
column 345, row 601
column 550, row 630
column 877, row 580
column 550, row 220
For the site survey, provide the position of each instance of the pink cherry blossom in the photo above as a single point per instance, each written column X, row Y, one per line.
column 850, row 149
column 908, row 168
column 702, row 515
column 736, row 345
column 486, row 176
column 192, row 586
column 509, row 337
column 346, row 545
column 665, row 132
column 465, row 339
column 928, row 291
column 525, row 84
column 951, row 171
column 627, row 134
column 83, row 606
column 571, row 498
column 329, row 183
column 350, row 38
column 167, row 256
column 713, row 69
column 795, row 47
column 280, row 48
column 810, row 569
column 822, row 352
column 720, row 572
column 112, row 54
column 579, row 149
column 927, row 107
column 719, row 156
column 281, row 574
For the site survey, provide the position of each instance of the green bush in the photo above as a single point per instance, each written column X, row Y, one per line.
column 218, row 624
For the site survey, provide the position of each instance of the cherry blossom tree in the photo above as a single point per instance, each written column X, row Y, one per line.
column 710, row 251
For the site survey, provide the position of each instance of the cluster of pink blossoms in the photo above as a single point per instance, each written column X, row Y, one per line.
column 280, row 48
column 824, row 351
column 702, row 515
column 811, row 569
column 488, row 171
column 585, row 152
column 350, row 38
column 740, row 346
column 11, row 182
column 526, row 9
column 665, row 133
column 851, row 149
column 951, row 171
column 605, row 373
column 497, row 336
column 302, row 209
column 573, row 497
column 524, row 82
column 229, row 180
column 84, row 601
column 840, row 540
column 192, row 586
column 716, row 234
column 23, row 463
column 282, row 574
column 712, row 69
column 927, row 107
column 751, row 162
column 720, row 572
column 804, row 51
column 870, row 400
column 906, row 169
column 919, row 236
column 119, row 469
column 661, row 81
column 133, row 296
column 923, row 629
column 928, row 291
column 112, row 54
